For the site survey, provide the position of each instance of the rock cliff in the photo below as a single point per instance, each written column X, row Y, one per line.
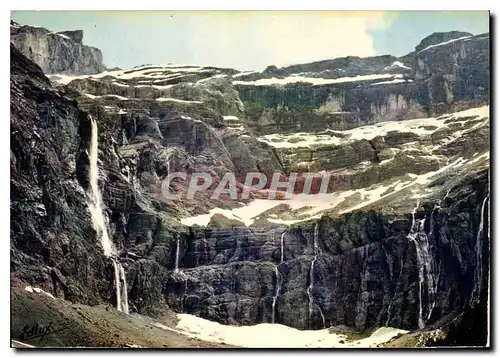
column 349, row 92
column 52, row 240
column 56, row 52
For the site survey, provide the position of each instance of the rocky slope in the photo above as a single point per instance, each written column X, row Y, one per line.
column 83, row 326
column 401, row 239
column 52, row 240
column 56, row 52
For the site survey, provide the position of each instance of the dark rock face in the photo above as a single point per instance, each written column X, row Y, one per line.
column 455, row 73
column 349, row 66
column 61, row 52
column 365, row 276
column 75, row 35
column 440, row 37
column 53, row 243
column 302, row 107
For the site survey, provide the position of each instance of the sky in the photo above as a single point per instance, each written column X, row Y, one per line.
column 251, row 40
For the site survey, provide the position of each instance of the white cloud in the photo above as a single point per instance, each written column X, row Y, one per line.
column 255, row 40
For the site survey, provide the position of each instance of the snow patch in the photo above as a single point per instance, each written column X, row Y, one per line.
column 212, row 78
column 444, row 43
column 312, row 80
column 91, row 96
column 60, row 35
column 38, row 290
column 419, row 126
column 397, row 80
column 267, row 335
column 244, row 73
column 247, row 214
column 397, row 65
column 170, row 99
column 231, row 118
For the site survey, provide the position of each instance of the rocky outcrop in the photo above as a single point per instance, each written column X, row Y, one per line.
column 53, row 243
column 455, row 72
column 366, row 273
column 448, row 72
column 308, row 107
column 391, row 147
column 349, row 66
column 56, row 52
column 440, row 37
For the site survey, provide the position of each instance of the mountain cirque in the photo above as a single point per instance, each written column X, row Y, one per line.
column 401, row 239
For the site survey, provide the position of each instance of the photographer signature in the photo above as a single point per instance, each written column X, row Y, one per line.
column 38, row 331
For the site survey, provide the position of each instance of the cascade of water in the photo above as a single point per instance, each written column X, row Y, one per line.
column 117, row 285
column 282, row 247
column 435, row 211
column 389, row 308
column 478, row 268
column 413, row 236
column 425, row 266
column 421, row 226
column 99, row 221
column 447, row 194
column 123, row 286
column 311, row 286
column 177, row 256
column 95, row 199
column 310, row 289
column 412, row 230
column 277, row 292
column 427, row 262
column 437, row 207
column 420, row 283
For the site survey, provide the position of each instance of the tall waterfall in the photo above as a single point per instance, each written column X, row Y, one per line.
column 282, row 247
column 278, row 275
column 95, row 199
column 310, row 289
column 120, row 287
column 177, row 256
column 478, row 268
column 277, row 292
column 425, row 263
column 99, row 222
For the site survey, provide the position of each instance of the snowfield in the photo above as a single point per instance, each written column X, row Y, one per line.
column 420, row 126
column 150, row 72
column 267, row 335
column 313, row 205
column 314, row 81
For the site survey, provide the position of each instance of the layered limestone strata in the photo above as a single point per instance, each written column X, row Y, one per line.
column 56, row 52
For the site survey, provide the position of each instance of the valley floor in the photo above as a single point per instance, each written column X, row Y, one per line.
column 39, row 320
